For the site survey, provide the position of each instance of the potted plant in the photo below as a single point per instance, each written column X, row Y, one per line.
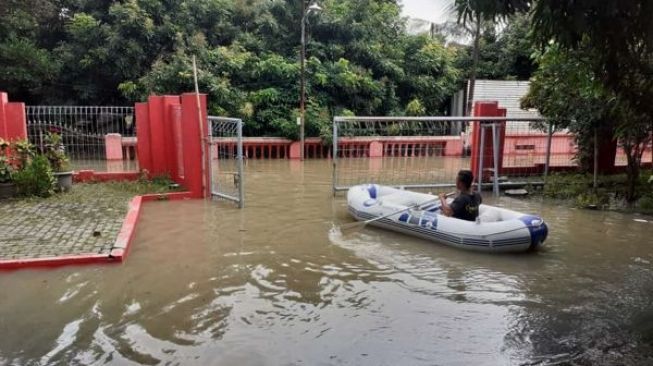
column 7, row 186
column 54, row 151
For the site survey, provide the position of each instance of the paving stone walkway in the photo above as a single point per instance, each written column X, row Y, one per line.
column 84, row 221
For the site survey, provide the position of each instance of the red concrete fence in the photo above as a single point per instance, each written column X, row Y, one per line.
column 169, row 140
column 13, row 124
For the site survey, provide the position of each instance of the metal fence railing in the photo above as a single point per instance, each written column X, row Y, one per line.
column 425, row 152
column 225, row 151
column 83, row 130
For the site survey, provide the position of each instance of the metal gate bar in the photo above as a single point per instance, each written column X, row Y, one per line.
column 225, row 152
column 410, row 146
column 83, row 130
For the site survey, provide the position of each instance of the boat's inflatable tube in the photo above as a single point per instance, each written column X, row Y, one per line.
column 496, row 230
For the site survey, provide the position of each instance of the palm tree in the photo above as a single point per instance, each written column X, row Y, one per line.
column 472, row 14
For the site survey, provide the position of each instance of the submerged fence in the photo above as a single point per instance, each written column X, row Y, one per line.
column 85, row 131
column 423, row 152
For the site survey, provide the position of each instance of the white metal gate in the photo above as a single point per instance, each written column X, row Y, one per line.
column 83, row 130
column 225, row 151
column 427, row 152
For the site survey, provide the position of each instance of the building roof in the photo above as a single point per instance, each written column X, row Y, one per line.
column 508, row 93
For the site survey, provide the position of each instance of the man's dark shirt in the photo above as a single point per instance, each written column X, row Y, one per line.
column 465, row 206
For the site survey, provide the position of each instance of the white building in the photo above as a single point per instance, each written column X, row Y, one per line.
column 507, row 92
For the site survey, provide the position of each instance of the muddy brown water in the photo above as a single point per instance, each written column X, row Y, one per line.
column 274, row 284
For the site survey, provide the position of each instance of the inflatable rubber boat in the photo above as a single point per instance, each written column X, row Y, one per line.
column 496, row 229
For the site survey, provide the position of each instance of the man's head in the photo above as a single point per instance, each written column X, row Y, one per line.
column 464, row 180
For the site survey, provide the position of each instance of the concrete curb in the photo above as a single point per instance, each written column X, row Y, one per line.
column 118, row 252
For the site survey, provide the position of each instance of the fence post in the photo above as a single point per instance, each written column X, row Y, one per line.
column 241, row 176
column 549, row 139
column 335, row 157
column 495, row 148
column 479, row 176
column 192, row 142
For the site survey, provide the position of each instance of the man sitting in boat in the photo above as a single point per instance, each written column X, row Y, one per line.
column 465, row 205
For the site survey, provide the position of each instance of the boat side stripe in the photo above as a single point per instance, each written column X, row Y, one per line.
column 448, row 238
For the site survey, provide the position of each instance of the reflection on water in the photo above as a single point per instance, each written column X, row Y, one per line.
column 278, row 284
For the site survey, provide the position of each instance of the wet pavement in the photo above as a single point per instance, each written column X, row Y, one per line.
column 84, row 221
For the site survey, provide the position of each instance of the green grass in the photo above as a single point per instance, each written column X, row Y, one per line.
column 609, row 194
column 110, row 193
column 160, row 184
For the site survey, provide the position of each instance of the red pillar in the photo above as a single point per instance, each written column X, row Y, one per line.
column 143, row 144
column 170, row 149
column 486, row 109
column 195, row 166
column 3, row 127
column 15, row 121
column 157, row 135
column 178, row 150
column 294, row 150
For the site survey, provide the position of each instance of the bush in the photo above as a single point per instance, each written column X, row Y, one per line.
column 646, row 204
column 55, row 152
column 591, row 199
column 36, row 178
column 6, row 169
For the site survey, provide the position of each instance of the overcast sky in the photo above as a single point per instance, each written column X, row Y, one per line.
column 435, row 11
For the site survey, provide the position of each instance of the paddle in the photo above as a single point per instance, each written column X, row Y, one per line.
column 361, row 224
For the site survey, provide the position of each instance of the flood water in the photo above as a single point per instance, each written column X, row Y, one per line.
column 274, row 284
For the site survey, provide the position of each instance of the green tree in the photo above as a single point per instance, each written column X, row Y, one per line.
column 473, row 14
column 360, row 57
column 505, row 54
column 566, row 91
column 26, row 67
column 620, row 38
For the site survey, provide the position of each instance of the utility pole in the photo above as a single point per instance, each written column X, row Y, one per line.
column 302, row 98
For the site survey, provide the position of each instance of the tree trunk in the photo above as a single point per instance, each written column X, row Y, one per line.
column 632, row 173
column 607, row 150
column 596, row 159
column 472, row 75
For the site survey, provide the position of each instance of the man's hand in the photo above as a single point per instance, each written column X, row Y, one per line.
column 444, row 207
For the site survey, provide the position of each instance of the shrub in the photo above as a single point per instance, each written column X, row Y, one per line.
column 36, row 178
column 55, row 152
column 646, row 203
column 6, row 169
column 589, row 199
column 23, row 152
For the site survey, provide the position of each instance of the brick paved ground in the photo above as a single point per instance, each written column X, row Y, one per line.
column 84, row 221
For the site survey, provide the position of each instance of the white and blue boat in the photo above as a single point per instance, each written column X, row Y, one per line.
column 496, row 229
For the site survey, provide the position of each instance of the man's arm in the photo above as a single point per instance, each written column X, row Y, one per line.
column 445, row 208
